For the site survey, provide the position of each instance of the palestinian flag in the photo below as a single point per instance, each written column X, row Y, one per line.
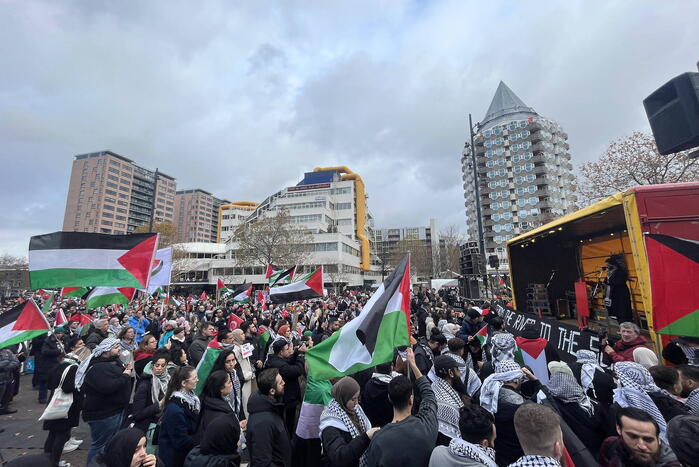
column 674, row 274
column 309, row 286
column 60, row 318
column 279, row 277
column 263, row 337
column 213, row 350
column 242, row 294
column 234, row 321
column 531, row 353
column 221, row 287
column 85, row 321
column 81, row 259
column 501, row 284
column 203, row 296
column 48, row 301
column 103, row 296
column 272, row 270
column 77, row 292
column 159, row 294
column 315, row 398
column 482, row 335
column 370, row 338
column 22, row 323
column 260, row 299
column 172, row 301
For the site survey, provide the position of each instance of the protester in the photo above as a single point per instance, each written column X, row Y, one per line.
column 9, row 363
column 139, row 324
column 106, row 386
column 219, row 445
column 667, row 378
column 345, row 431
column 474, row 445
column 682, row 434
column 228, row 363
column 596, row 381
column 638, row 442
column 448, row 390
column 126, row 449
column 689, row 378
column 409, row 440
column 623, row 350
column 472, row 323
column 143, row 354
column 245, row 366
column 268, row 440
column 539, row 432
column 98, row 333
column 52, row 350
column 214, row 399
column 290, row 364
column 426, row 350
column 200, row 342
column 501, row 347
column 180, row 418
column 374, row 397
column 682, row 351
column 149, row 398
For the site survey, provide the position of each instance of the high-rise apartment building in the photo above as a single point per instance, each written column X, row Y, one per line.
column 109, row 193
column 196, row 215
column 524, row 172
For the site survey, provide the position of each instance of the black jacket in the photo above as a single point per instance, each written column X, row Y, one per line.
column 268, row 441
column 669, row 408
column 423, row 359
column 255, row 351
column 67, row 387
column 409, row 442
column 290, row 369
column 603, row 385
column 145, row 409
column 50, row 354
column 197, row 349
column 507, row 447
column 211, row 408
column 95, row 338
column 177, row 433
column 340, row 449
column 375, row 403
column 106, row 389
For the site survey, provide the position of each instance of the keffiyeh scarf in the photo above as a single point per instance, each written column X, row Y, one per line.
column 536, row 461
column 234, row 398
column 159, row 385
column 635, row 383
column 474, row 452
column 335, row 416
column 490, row 390
column 448, row 405
column 692, row 354
column 565, row 388
column 104, row 346
column 588, row 366
column 693, row 402
column 189, row 399
column 503, row 347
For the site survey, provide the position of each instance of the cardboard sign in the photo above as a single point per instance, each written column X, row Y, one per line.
column 247, row 349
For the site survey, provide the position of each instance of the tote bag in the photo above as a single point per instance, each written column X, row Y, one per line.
column 60, row 403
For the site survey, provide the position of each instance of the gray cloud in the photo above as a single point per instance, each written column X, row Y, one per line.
column 242, row 99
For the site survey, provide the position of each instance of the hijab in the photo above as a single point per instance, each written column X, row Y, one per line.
column 221, row 436
column 238, row 336
column 120, row 449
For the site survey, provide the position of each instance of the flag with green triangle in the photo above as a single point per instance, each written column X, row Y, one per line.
column 103, row 296
column 206, row 364
column 22, row 323
column 46, row 307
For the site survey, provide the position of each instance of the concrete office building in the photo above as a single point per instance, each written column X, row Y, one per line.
column 109, row 193
column 230, row 216
column 386, row 242
column 524, row 172
column 196, row 215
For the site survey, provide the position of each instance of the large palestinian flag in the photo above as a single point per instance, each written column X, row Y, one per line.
column 22, row 323
column 370, row 338
column 103, row 296
column 531, row 353
column 242, row 294
column 308, row 286
column 674, row 280
column 77, row 259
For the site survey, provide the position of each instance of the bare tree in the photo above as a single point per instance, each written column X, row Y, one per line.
column 273, row 239
column 633, row 161
column 337, row 276
column 450, row 238
column 167, row 231
column 420, row 256
column 8, row 261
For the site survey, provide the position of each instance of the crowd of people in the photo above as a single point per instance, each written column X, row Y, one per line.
column 459, row 395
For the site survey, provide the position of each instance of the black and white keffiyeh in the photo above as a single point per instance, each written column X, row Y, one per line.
column 189, row 399
column 693, row 402
column 105, row 346
column 588, row 366
column 503, row 347
column 635, row 383
column 536, row 461
column 334, row 415
column 490, row 390
column 468, row 375
column 565, row 388
column 692, row 353
column 448, row 405
column 234, row 399
column 474, row 452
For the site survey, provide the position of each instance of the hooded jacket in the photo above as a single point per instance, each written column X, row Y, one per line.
column 290, row 369
column 145, row 409
column 267, row 438
column 197, row 348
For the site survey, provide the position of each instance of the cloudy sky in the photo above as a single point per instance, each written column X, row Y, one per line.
column 240, row 98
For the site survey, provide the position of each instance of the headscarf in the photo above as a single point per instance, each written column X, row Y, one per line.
column 449, row 404
column 337, row 415
column 692, row 353
column 503, row 347
column 505, row 371
column 105, row 346
column 238, row 336
column 120, row 449
column 565, row 387
column 559, row 367
column 461, row 448
column 635, row 384
column 221, row 436
column 645, row 357
column 588, row 362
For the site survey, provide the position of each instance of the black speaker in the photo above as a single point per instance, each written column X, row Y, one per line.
column 673, row 114
column 494, row 261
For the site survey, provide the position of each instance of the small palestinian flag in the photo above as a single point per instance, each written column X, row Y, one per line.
column 203, row 296
column 370, row 338
column 77, row 292
column 22, row 323
column 482, row 335
column 309, row 286
column 234, row 321
column 213, row 350
column 260, row 299
column 502, row 283
column 60, row 318
column 85, row 321
column 263, row 337
column 81, row 259
column 221, row 287
column 48, row 301
column 281, row 277
column 242, row 294
column 172, row 301
column 272, row 270
column 103, row 296
column 531, row 353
